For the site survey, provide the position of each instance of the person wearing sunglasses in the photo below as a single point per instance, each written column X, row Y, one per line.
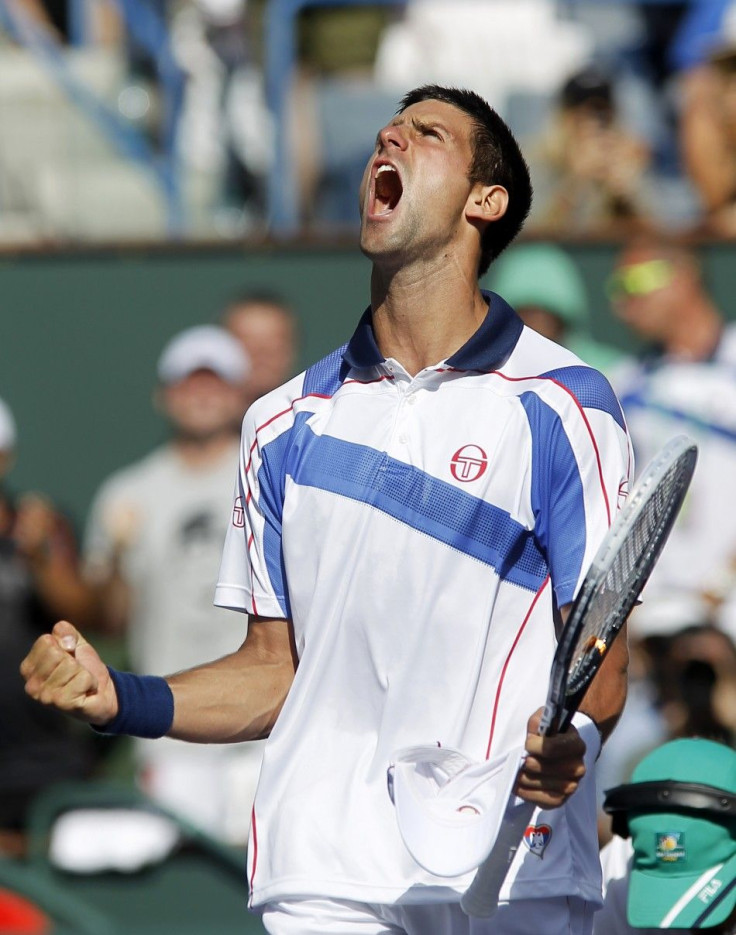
column 683, row 381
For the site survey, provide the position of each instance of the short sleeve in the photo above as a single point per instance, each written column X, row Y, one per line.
column 582, row 469
column 252, row 578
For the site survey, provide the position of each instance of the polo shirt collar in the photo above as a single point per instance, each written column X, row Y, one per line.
column 487, row 349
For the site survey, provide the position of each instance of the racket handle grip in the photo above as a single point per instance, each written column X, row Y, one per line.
column 480, row 900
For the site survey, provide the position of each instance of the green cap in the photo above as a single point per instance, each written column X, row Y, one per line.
column 542, row 275
column 684, row 859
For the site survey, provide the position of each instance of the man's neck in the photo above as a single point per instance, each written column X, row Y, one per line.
column 421, row 317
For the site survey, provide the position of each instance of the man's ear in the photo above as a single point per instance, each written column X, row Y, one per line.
column 487, row 203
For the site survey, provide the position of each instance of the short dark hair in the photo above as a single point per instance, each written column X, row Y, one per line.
column 497, row 159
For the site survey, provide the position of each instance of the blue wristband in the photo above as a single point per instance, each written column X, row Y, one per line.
column 145, row 705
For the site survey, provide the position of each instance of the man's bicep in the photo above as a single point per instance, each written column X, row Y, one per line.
column 239, row 696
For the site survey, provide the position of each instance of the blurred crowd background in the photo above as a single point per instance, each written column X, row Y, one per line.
column 218, row 118
column 178, row 221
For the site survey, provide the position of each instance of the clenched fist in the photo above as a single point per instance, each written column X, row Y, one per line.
column 553, row 767
column 64, row 671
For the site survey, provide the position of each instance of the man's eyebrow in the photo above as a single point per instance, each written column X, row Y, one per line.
column 419, row 123
column 432, row 123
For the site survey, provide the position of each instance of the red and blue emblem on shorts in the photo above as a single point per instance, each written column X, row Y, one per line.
column 536, row 838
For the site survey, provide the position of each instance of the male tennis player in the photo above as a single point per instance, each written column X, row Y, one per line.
column 409, row 515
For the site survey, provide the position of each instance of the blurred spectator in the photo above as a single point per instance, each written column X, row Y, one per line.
column 706, row 52
column 589, row 171
column 101, row 21
column 519, row 50
column 518, row 46
column 52, row 14
column 545, row 287
column 656, row 74
column 225, row 131
column 267, row 330
column 695, row 672
column 685, row 381
column 39, row 582
column 681, row 685
column 672, row 864
column 333, row 98
column 153, row 547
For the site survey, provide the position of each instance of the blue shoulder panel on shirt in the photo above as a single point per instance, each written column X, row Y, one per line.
column 321, row 379
column 271, row 482
column 324, row 377
column 557, row 497
column 591, row 389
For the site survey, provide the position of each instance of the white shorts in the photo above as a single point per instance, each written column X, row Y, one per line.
column 554, row 916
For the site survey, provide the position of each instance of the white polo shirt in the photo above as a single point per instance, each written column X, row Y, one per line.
column 417, row 530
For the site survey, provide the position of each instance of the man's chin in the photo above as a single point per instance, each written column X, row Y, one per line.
column 378, row 245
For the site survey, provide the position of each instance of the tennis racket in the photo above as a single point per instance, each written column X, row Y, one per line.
column 609, row 591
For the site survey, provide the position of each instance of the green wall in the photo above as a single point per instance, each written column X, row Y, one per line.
column 80, row 333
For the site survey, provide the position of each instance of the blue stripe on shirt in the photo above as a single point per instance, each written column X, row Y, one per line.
column 271, row 483
column 323, row 379
column 431, row 506
column 557, row 496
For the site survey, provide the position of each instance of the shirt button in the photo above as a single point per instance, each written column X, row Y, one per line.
column 403, row 439
column 411, row 399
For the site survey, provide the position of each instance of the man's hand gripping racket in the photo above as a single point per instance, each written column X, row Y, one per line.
column 609, row 591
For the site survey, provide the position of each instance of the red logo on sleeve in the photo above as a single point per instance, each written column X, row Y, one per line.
column 238, row 513
column 469, row 463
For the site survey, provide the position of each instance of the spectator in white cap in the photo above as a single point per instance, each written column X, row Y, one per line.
column 152, row 551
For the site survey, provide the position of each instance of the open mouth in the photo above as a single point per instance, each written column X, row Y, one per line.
column 387, row 190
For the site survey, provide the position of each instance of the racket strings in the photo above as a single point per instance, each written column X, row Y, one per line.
column 632, row 560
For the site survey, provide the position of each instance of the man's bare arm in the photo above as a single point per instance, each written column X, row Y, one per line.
column 237, row 697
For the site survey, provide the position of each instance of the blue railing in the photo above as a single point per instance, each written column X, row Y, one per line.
column 143, row 22
column 146, row 25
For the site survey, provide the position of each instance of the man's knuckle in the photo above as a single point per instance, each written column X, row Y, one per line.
column 47, row 643
column 31, row 689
